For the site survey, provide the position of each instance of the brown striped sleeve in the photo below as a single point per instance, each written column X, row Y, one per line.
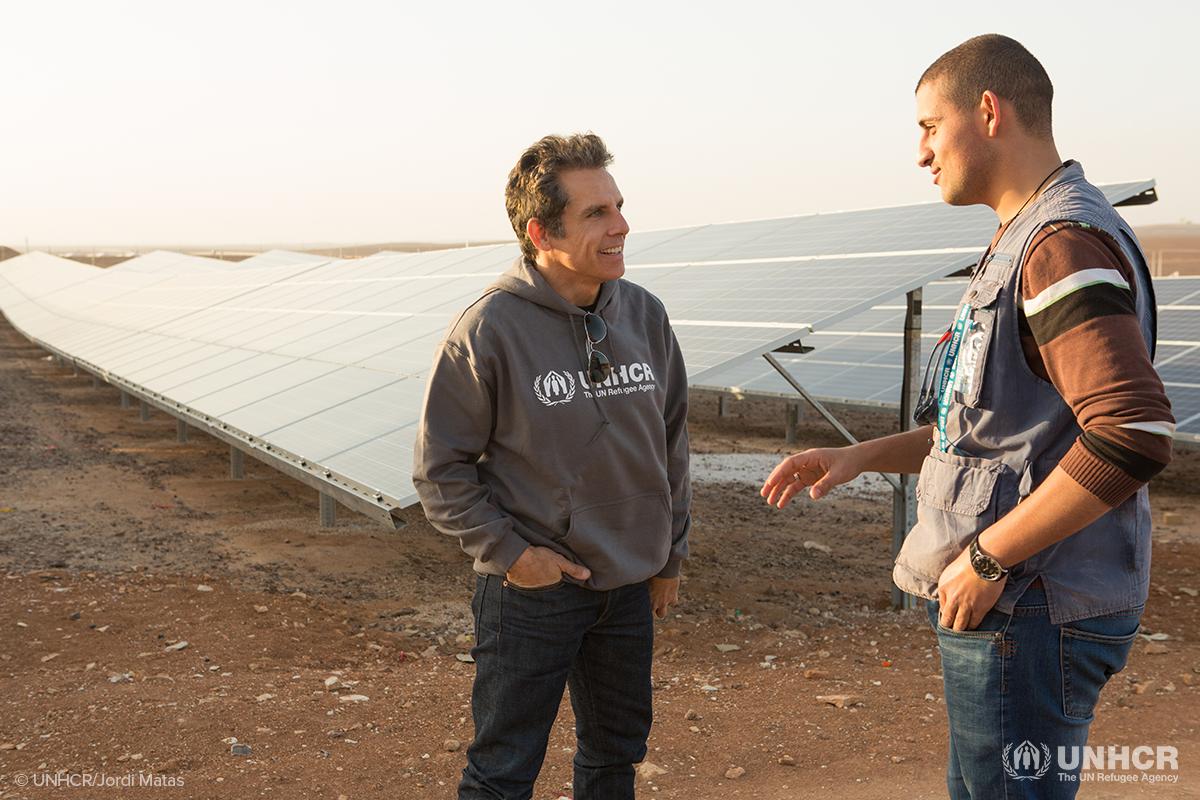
column 1079, row 330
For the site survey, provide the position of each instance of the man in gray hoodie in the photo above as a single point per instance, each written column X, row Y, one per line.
column 554, row 446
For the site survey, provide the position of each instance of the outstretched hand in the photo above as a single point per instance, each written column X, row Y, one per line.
column 816, row 470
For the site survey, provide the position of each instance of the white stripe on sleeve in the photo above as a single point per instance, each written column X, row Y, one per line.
column 1160, row 428
column 1073, row 282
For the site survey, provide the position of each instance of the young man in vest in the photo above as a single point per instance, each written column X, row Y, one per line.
column 554, row 445
column 1032, row 545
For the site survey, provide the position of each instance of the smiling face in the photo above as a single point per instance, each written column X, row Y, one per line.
column 954, row 147
column 590, row 251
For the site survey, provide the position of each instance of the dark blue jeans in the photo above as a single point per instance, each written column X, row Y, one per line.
column 529, row 645
column 1017, row 689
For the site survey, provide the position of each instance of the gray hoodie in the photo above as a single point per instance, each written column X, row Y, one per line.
column 516, row 447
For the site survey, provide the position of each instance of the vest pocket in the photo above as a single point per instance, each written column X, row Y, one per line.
column 957, row 498
column 971, row 361
column 961, row 485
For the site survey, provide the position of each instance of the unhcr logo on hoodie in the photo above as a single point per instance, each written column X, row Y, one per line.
column 555, row 388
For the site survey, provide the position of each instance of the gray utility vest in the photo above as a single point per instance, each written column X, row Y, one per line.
column 1007, row 429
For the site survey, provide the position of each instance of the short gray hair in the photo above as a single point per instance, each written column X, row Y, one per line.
column 534, row 190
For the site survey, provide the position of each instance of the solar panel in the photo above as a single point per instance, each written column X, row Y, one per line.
column 318, row 360
column 860, row 361
column 166, row 261
column 738, row 290
column 321, row 363
column 1178, row 356
column 280, row 258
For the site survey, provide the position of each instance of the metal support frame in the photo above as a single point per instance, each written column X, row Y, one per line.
column 834, row 404
column 792, row 413
column 904, row 498
column 722, row 410
column 824, row 412
column 96, row 382
column 328, row 511
column 356, row 496
column 180, row 430
column 237, row 464
column 904, row 505
column 124, row 400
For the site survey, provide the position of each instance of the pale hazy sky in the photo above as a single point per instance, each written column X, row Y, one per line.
column 264, row 123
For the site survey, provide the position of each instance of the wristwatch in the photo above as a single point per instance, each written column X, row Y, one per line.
column 984, row 565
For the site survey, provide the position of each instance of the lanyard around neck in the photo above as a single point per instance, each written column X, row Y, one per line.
column 950, row 374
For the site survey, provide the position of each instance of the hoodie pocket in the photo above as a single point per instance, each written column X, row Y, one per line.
column 621, row 541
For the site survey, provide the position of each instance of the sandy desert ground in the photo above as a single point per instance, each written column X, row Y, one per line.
column 156, row 617
column 1178, row 244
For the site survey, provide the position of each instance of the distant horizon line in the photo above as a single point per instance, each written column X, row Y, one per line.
column 320, row 248
column 325, row 248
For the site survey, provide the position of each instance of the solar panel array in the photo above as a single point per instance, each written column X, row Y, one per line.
column 1178, row 356
column 738, row 290
column 166, row 261
column 322, row 362
column 281, row 258
column 860, row 361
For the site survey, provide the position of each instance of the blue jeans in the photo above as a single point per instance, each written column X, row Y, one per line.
column 1017, row 689
column 529, row 645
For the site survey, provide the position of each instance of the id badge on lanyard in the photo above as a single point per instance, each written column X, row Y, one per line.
column 949, row 374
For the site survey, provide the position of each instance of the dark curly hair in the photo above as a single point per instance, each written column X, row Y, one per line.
column 534, row 191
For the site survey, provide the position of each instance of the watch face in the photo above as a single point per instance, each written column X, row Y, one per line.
column 986, row 567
